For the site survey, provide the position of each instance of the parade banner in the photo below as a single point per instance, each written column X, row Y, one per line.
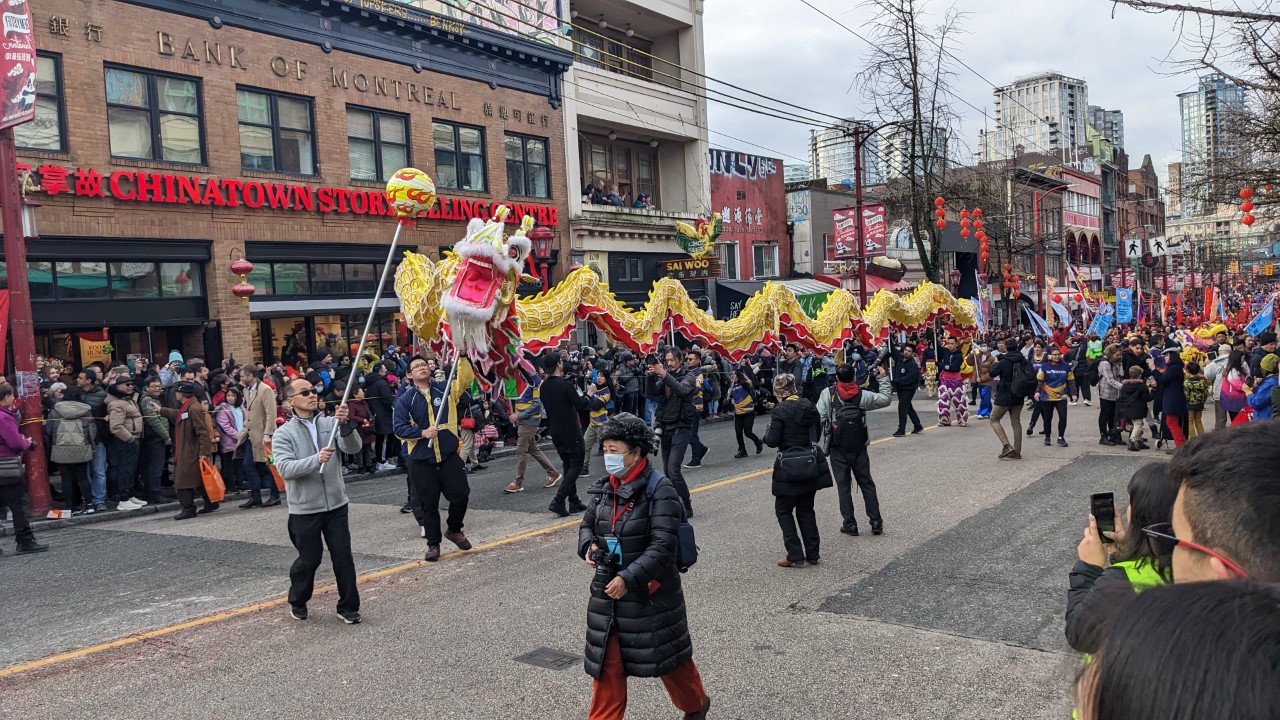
column 844, row 235
column 1102, row 321
column 17, row 66
column 1064, row 315
column 1263, row 321
column 1124, row 305
column 1039, row 325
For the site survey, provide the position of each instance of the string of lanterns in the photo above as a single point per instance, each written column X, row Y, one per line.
column 1246, row 207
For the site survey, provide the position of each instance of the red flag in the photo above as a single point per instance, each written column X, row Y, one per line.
column 1179, row 314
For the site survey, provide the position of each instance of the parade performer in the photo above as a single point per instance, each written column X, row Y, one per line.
column 951, row 385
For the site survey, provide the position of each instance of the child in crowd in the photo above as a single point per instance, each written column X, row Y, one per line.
column 1196, row 387
column 1135, row 398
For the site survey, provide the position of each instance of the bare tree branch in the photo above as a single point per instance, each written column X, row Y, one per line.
column 1151, row 6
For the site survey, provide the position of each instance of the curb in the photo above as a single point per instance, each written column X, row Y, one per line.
column 45, row 524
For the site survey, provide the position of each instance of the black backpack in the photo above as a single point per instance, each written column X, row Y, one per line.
column 1022, row 380
column 848, row 424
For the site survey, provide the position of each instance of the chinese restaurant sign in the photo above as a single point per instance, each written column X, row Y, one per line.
column 748, row 192
column 691, row 268
column 168, row 189
column 18, row 65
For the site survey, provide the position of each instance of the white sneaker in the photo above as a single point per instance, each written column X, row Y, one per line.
column 386, row 466
column 422, row 530
column 1088, row 404
column 129, row 504
column 137, row 502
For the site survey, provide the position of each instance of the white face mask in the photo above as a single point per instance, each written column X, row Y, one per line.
column 614, row 463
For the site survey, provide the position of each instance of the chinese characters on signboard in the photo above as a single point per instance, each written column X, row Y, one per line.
column 747, row 191
column 692, row 269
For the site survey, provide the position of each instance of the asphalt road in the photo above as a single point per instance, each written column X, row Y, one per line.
column 955, row 612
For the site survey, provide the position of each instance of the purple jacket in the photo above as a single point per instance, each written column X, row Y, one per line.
column 12, row 442
column 228, row 433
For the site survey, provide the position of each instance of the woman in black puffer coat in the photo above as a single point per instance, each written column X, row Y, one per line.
column 636, row 620
column 795, row 424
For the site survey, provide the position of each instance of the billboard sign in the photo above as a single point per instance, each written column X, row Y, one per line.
column 748, row 192
column 18, row 65
column 845, row 237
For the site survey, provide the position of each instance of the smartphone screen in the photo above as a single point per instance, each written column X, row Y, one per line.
column 1103, row 508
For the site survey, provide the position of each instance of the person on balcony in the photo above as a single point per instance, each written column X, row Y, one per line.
column 643, row 202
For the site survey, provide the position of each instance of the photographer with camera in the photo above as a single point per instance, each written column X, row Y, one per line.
column 637, row 625
column 563, row 402
column 673, row 384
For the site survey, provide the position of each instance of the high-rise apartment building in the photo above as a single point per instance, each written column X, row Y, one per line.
column 831, row 154
column 894, row 149
column 1046, row 113
column 1206, row 145
column 796, row 172
column 1108, row 122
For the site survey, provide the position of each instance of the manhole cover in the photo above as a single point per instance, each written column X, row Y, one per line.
column 551, row 659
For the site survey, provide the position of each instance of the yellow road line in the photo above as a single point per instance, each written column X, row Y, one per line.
column 385, row 572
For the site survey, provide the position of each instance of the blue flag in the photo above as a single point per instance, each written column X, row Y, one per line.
column 1102, row 321
column 1263, row 321
column 1064, row 315
column 1222, row 310
column 1124, row 305
column 977, row 311
column 1038, row 324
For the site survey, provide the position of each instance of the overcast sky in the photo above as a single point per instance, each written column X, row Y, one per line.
column 786, row 50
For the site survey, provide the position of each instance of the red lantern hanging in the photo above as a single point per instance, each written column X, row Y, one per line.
column 1005, row 275
column 941, row 224
column 939, row 202
column 244, row 291
column 940, row 212
column 1007, row 267
column 1247, row 206
column 1246, row 193
column 1079, row 297
column 984, row 256
column 1007, row 285
column 964, row 214
column 1247, row 219
column 977, row 212
column 964, row 232
column 978, row 223
column 1057, row 298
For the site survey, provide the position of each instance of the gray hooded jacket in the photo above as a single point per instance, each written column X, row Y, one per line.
column 309, row 487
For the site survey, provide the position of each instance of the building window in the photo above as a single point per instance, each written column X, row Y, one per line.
column 378, row 143
column 628, row 270
column 728, row 253
column 459, row 157
column 101, row 280
column 45, row 130
column 275, row 132
column 614, row 163
column 616, row 53
column 318, row 278
column 527, row 173
column 153, row 116
column 766, row 261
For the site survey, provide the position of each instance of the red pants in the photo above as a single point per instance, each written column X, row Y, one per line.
column 609, row 693
column 1175, row 429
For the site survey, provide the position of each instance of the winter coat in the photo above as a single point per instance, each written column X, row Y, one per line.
column 867, row 400
column 1231, row 393
column 1134, row 397
column 1260, row 400
column 259, row 418
column 1002, row 373
column 906, row 373
column 124, row 419
column 310, row 487
column 795, row 423
column 1109, row 380
column 1214, row 372
column 650, row 620
column 381, row 401
column 1197, row 392
column 229, row 427
column 154, row 425
column 96, row 399
column 12, row 442
column 676, row 397
column 1173, row 398
column 192, row 440
column 1094, row 598
column 72, row 432
column 362, row 418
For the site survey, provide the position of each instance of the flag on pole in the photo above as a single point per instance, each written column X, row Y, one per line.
column 977, row 311
column 1222, row 310
column 1064, row 315
column 1179, row 309
column 1142, row 309
column 1209, row 305
column 1124, row 305
column 1102, row 321
column 1263, row 321
column 1038, row 324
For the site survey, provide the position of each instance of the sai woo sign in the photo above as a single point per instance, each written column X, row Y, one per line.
column 17, row 65
column 167, row 189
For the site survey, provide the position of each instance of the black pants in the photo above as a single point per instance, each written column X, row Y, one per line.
column 233, row 472
column 907, row 412
column 571, row 462
column 11, row 497
column 75, row 476
column 844, row 465
column 122, row 468
column 699, row 450
column 1107, row 418
column 187, row 498
column 744, row 427
column 1086, row 393
column 258, row 475
column 306, row 532
column 380, row 448
column 1046, row 409
column 675, row 441
column 427, row 482
column 795, row 510
column 151, row 460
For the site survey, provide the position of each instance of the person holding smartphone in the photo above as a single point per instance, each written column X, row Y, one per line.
column 1096, row 590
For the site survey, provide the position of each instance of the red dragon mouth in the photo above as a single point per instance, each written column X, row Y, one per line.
column 477, row 283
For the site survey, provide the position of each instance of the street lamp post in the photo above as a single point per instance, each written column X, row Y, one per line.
column 860, row 136
column 1036, row 195
column 543, row 239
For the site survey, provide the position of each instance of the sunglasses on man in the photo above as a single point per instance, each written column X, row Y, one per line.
column 304, row 393
column 1163, row 533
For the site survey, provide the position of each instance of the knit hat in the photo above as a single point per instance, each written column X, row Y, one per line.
column 1224, row 350
column 1266, row 338
column 1269, row 363
column 175, row 356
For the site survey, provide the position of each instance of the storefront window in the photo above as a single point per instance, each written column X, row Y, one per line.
column 81, row 280
column 362, row 278
column 260, row 279
column 134, row 280
column 289, row 340
column 291, row 278
column 326, row 278
column 40, row 280
column 331, row 336
column 180, row 279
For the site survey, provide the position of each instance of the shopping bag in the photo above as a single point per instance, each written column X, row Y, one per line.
column 213, row 485
column 271, row 463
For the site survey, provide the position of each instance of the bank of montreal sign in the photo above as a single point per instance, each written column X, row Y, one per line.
column 169, row 189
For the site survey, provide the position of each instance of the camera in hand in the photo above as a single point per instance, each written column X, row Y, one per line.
column 606, row 567
column 652, row 359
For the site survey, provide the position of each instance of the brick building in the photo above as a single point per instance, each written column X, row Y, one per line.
column 175, row 136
